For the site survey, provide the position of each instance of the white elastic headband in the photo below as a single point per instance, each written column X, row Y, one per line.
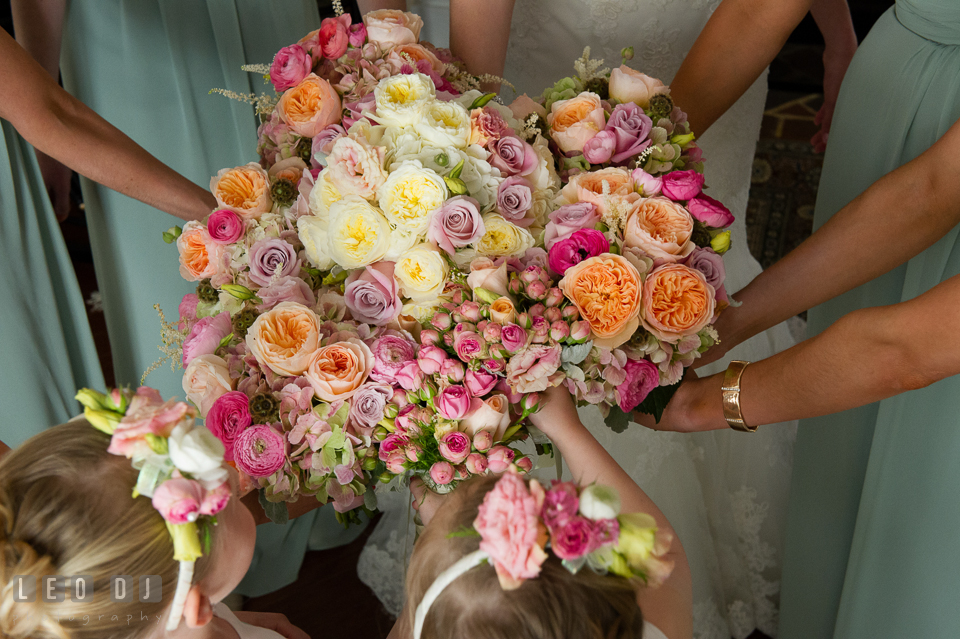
column 184, row 581
column 442, row 581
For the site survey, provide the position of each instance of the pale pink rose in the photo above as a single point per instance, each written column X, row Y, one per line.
column 479, row 383
column 373, row 294
column 453, row 402
column 323, row 142
column 205, row 336
column 523, row 106
column 534, row 369
column 660, row 228
column 245, row 190
column 647, row 185
column 310, row 106
column 482, row 441
column 200, row 255
column 285, row 338
column 491, row 415
column 206, row 378
column 573, row 122
column 627, row 85
column 483, row 274
column 599, row 149
column 286, row 289
column 337, row 370
column 431, row 359
column 441, row 473
column 216, row 500
column 356, row 168
column 469, row 345
column 409, row 376
column 146, row 414
column 178, row 500
column 500, row 459
column 511, row 533
column 390, row 28
column 568, row 219
column 290, row 65
column 476, row 463
column 454, row 447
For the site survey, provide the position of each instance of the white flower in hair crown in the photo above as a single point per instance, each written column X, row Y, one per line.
column 181, row 468
column 517, row 523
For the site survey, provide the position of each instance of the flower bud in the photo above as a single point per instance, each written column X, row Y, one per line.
column 385, row 478
column 530, row 275
column 470, row 311
column 458, row 296
column 554, row 297
column 524, row 320
column 453, row 370
column 380, row 433
column 369, row 463
column 428, row 391
column 536, row 290
column 579, row 331
column 171, row 234
column 390, row 411
column 559, row 331
column 483, row 440
column 485, row 296
column 525, row 464
column 239, row 292
column 448, row 339
column 491, row 332
column 92, row 399
column 441, row 321
column 721, row 243
column 103, row 420
column 413, row 397
column 626, row 54
column 429, row 337
column 495, row 364
column 541, row 330
column 476, row 463
column 530, row 402
column 570, row 313
column 553, row 314
column 412, row 451
column 537, row 310
column 515, row 285
column 464, row 327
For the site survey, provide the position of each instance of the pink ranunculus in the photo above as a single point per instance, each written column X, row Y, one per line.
column 469, row 346
column 146, row 414
column 368, row 404
column 260, row 451
column 647, row 185
column 599, row 149
column 228, row 417
column 631, row 129
column 710, row 212
column 390, row 354
column 581, row 245
column 454, row 447
column 560, row 504
column 216, row 500
column 453, row 402
column 533, row 369
column 510, row 530
column 642, row 377
column 708, row 262
column 373, row 294
column 224, row 226
column 476, row 463
column 188, row 312
column 513, row 337
column 479, row 383
column 441, row 473
column 574, row 539
column 290, row 66
column 178, row 500
column 271, row 257
column 567, row 219
column 456, row 224
column 512, row 156
column 286, row 289
column 514, row 199
column 431, row 359
column 682, row 185
column 334, row 37
column 409, row 376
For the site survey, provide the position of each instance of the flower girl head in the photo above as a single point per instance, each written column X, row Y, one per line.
column 71, row 506
column 505, row 558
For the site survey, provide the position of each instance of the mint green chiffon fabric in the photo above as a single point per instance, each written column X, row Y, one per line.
column 872, row 547
column 46, row 350
column 147, row 67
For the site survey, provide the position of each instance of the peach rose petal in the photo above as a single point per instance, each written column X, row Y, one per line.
column 677, row 301
column 606, row 289
column 337, row 370
column 285, row 338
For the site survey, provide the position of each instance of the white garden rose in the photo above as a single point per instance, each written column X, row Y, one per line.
column 324, row 194
column 197, row 451
column 355, row 168
column 401, row 241
column 544, row 177
column 401, row 144
column 206, row 378
column 445, row 124
column 410, row 195
column 599, row 502
column 421, row 272
column 421, row 311
column 358, row 233
column 481, row 179
column 503, row 239
column 402, row 99
column 312, row 230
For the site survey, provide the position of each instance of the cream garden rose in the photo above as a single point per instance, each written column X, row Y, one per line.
column 356, row 168
column 422, row 272
column 312, row 230
column 358, row 233
column 443, row 124
column 324, row 194
column 503, row 238
column 402, row 99
column 206, row 378
column 410, row 194
column 627, row 85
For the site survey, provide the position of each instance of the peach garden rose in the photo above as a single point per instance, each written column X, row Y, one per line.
column 628, row 85
column 390, row 27
column 575, row 121
column 285, row 338
column 660, row 228
column 677, row 301
column 199, row 255
column 606, row 290
column 245, row 190
column 589, row 187
column 337, row 370
column 310, row 106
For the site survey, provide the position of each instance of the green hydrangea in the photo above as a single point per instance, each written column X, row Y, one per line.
column 565, row 89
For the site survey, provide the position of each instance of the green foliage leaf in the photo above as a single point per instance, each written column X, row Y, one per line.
column 656, row 402
column 482, row 101
column 576, row 353
column 617, row 420
column 463, row 531
column 276, row 512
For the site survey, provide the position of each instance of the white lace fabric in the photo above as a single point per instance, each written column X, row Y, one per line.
column 724, row 492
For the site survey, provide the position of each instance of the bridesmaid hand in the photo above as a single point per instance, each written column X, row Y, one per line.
column 835, row 65
column 425, row 501
column 557, row 411
column 690, row 409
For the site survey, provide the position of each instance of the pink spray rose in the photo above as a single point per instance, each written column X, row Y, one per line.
column 334, row 37
column 581, row 245
column 642, row 377
column 441, row 473
column 682, row 185
column 390, row 354
column 514, row 199
column 224, row 226
column 513, row 337
column 431, row 359
column 455, row 447
column 456, row 224
column 512, row 156
column 260, row 451
column 453, row 402
column 476, row 463
column 216, row 500
column 205, row 336
column 710, row 212
column 469, row 346
column 290, row 65
column 409, row 376
column 510, row 530
column 567, row 219
column 600, row 148
column 482, row 441
column 560, row 504
column 228, row 417
column 479, row 383
column 573, row 540
column 499, row 459
column 178, row 500
column 373, row 294
column 533, row 369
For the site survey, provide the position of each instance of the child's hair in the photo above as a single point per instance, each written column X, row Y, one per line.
column 67, row 508
column 555, row 604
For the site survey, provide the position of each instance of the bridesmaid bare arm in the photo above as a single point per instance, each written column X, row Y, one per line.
column 479, row 33
column 366, row 6
column 59, row 125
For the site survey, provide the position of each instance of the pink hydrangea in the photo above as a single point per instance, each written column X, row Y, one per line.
column 560, row 504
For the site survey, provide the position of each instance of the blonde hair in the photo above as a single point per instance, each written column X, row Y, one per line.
column 67, row 508
column 555, row 604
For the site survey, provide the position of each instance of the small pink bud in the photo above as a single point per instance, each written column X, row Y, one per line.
column 476, row 463
column 464, row 327
column 441, row 473
column 441, row 321
column 530, row 275
column 470, row 311
column 537, row 310
column 559, row 331
column 448, row 339
column 429, row 337
column 452, row 369
column 482, row 441
column 525, row 464
column 536, row 290
column 491, row 332
column 553, row 314
column 495, row 365
column 579, row 331
column 554, row 297
column 570, row 313
column 530, row 402
column 524, row 320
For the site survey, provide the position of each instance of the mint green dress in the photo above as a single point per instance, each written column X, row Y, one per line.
column 873, row 532
column 147, row 67
column 46, row 350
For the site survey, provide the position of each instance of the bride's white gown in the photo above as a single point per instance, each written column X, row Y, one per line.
column 724, row 492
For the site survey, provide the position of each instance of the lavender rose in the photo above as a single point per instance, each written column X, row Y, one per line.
column 567, row 219
column 631, row 128
column 708, row 262
column 390, row 354
column 514, row 199
column 373, row 294
column 260, row 451
column 512, row 156
column 270, row 257
column 455, row 224
column 286, row 289
column 710, row 212
column 367, row 406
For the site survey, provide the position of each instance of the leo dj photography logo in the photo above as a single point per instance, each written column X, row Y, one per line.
column 56, row 588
